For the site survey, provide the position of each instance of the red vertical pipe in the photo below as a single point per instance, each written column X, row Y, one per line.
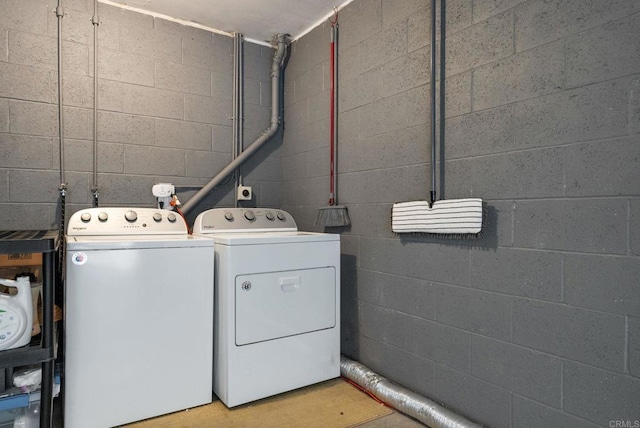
column 332, row 142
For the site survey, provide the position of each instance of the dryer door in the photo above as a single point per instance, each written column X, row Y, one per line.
column 280, row 304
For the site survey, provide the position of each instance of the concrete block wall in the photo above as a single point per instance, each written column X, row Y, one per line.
column 164, row 114
column 537, row 324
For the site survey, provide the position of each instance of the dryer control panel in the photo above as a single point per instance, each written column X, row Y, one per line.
column 115, row 221
column 244, row 220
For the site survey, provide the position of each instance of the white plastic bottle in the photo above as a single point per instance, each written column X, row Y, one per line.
column 16, row 314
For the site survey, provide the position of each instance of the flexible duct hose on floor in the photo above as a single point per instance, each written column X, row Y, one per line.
column 402, row 399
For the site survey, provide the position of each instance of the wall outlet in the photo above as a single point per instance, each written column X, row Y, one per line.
column 245, row 193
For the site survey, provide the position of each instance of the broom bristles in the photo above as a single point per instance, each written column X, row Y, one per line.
column 333, row 216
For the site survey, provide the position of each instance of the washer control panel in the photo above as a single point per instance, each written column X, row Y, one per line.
column 244, row 220
column 115, row 221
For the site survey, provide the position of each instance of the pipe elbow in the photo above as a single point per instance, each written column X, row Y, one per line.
column 278, row 61
column 278, row 57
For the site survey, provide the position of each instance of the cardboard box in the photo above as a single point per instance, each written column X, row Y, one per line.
column 20, row 259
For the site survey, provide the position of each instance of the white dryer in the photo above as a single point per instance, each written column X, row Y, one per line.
column 277, row 303
column 138, row 317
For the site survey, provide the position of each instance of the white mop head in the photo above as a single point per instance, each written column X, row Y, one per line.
column 447, row 216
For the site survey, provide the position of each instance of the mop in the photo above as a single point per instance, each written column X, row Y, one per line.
column 452, row 218
column 333, row 215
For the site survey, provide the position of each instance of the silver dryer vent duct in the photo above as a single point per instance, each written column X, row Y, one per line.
column 400, row 398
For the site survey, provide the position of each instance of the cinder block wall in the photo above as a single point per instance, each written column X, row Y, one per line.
column 164, row 110
column 537, row 324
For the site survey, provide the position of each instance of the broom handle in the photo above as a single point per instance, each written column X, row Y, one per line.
column 333, row 187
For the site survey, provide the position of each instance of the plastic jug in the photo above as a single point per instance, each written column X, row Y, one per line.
column 16, row 314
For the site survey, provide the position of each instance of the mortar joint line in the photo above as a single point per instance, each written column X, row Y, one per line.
column 629, row 252
column 513, row 223
column 632, row 93
column 513, row 310
column 562, row 385
column 515, row 41
column 562, row 299
column 565, row 48
column 471, row 354
column 511, row 394
column 627, row 348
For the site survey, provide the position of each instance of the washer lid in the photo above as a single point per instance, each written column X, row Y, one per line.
column 76, row 243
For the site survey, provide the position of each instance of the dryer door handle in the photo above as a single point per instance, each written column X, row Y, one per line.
column 290, row 284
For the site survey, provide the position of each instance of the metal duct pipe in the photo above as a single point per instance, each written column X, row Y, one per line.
column 62, row 187
column 46, row 406
column 95, row 21
column 60, row 15
column 278, row 59
column 408, row 402
column 432, row 113
column 238, row 104
column 234, row 102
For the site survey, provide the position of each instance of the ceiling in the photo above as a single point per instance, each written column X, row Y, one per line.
column 257, row 20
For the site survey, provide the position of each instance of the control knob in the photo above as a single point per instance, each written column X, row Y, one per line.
column 229, row 216
column 249, row 215
column 157, row 217
column 85, row 217
column 131, row 216
column 103, row 216
column 171, row 217
column 281, row 217
column 269, row 216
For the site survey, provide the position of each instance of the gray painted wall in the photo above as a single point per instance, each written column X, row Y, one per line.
column 538, row 323
column 164, row 111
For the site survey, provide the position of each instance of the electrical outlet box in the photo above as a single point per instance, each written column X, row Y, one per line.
column 245, row 193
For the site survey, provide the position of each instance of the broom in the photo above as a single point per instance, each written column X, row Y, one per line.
column 333, row 215
column 453, row 218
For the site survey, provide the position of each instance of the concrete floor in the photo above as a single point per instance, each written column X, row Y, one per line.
column 394, row 420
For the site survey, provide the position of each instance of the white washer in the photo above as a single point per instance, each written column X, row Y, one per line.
column 138, row 317
column 277, row 303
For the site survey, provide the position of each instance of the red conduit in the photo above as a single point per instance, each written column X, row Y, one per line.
column 332, row 109
column 332, row 142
